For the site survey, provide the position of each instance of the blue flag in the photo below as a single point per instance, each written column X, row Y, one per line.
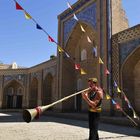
column 38, row 27
column 113, row 102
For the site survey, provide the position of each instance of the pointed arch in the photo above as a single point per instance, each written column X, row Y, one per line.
column 78, row 42
column 128, row 77
column 47, row 89
column 11, row 97
column 78, row 38
column 33, row 95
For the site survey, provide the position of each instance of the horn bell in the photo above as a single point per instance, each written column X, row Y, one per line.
column 29, row 115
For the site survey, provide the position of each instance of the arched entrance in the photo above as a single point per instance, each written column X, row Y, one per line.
column 33, row 93
column 13, row 94
column 130, row 79
column 47, row 89
column 137, row 86
column 80, row 46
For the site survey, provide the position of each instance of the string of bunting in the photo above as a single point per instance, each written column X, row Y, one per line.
column 60, row 49
column 77, row 66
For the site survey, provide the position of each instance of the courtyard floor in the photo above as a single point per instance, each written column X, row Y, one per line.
column 52, row 128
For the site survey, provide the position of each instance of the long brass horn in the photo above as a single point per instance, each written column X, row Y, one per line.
column 30, row 114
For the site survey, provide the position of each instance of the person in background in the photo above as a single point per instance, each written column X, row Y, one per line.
column 93, row 97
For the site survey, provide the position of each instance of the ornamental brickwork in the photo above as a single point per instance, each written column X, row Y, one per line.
column 125, row 62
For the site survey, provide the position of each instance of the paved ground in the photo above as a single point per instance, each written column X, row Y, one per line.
column 51, row 128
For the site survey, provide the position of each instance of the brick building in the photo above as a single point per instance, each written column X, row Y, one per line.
column 56, row 78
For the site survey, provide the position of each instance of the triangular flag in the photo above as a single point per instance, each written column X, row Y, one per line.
column 107, row 71
column 75, row 17
column 77, row 66
column 83, row 72
column 83, row 30
column 129, row 105
column 60, row 49
column 38, row 27
column 125, row 98
column 135, row 115
column 95, row 51
column 115, row 84
column 117, row 106
column 18, row 7
column 113, row 102
column 108, row 97
column 27, row 16
column 118, row 90
column 69, row 5
column 50, row 39
column 67, row 55
column 89, row 40
column 100, row 61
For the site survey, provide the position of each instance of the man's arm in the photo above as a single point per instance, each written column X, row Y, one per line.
column 86, row 98
column 93, row 103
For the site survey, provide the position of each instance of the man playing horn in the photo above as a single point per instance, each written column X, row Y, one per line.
column 93, row 97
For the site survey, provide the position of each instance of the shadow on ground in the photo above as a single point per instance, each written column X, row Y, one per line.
column 17, row 117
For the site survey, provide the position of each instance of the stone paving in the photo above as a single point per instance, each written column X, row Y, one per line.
column 51, row 128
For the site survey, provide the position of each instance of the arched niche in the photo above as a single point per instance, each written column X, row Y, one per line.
column 13, row 95
column 33, row 95
column 129, row 75
column 47, row 89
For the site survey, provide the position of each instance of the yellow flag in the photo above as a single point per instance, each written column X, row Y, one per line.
column 27, row 16
column 118, row 89
column 100, row 61
column 89, row 40
column 83, row 30
column 83, row 72
column 60, row 49
column 134, row 115
column 108, row 97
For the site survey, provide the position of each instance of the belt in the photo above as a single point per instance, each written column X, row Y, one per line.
column 95, row 110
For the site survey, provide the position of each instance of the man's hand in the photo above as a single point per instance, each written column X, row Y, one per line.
column 84, row 95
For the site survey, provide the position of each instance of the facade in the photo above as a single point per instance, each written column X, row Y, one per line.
column 56, row 78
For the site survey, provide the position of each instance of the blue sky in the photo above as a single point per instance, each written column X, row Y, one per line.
column 21, row 42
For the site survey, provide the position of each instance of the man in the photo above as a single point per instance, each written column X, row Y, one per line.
column 93, row 97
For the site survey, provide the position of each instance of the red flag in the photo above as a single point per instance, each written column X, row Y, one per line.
column 18, row 7
column 118, row 106
column 77, row 66
column 125, row 98
column 107, row 71
column 50, row 39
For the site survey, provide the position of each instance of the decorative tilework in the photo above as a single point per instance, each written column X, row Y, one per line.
column 87, row 15
column 51, row 70
column 78, row 6
column 127, row 47
column 36, row 75
column 11, row 77
column 19, row 77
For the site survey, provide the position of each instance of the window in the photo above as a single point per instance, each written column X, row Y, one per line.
column 83, row 55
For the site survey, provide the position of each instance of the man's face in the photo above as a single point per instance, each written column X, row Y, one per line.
column 92, row 85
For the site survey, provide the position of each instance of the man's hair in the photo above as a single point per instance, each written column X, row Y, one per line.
column 94, row 80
